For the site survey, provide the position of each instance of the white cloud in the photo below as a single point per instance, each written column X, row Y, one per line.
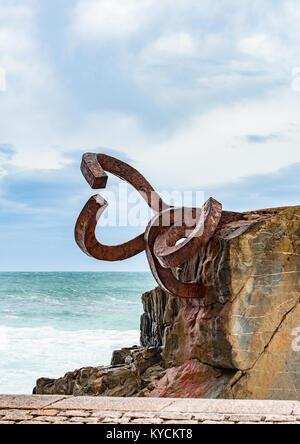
column 218, row 146
column 31, row 102
column 14, row 40
column 180, row 43
column 102, row 19
column 16, row 35
column 39, row 158
column 230, row 52
column 184, row 54
column 211, row 148
column 33, row 120
column 262, row 46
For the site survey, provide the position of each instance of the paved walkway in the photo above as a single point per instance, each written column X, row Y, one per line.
column 16, row 409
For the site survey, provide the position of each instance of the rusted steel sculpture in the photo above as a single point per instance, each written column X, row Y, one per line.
column 194, row 226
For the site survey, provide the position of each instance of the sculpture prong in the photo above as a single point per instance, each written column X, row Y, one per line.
column 195, row 226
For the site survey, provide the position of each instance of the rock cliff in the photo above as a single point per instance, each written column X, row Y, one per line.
column 241, row 341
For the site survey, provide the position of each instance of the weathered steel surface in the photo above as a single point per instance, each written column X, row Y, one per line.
column 172, row 237
column 93, row 171
column 87, row 241
column 169, row 253
column 93, row 168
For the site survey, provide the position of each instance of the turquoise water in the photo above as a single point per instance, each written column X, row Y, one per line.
column 51, row 323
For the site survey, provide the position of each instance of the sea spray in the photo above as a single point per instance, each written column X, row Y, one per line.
column 51, row 323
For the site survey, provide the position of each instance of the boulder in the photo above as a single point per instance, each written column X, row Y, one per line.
column 249, row 320
column 127, row 379
column 242, row 340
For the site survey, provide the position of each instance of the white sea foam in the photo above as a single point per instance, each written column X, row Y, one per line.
column 3, row 339
column 49, row 322
column 30, row 353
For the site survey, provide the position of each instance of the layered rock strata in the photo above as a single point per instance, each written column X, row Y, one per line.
column 242, row 340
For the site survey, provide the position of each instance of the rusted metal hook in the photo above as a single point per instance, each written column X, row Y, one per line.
column 163, row 253
column 93, row 168
column 194, row 226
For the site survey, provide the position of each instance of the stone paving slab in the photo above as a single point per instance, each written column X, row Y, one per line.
column 35, row 409
column 233, row 406
column 297, row 410
column 28, row 401
column 122, row 404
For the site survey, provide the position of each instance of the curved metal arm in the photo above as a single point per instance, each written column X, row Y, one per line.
column 93, row 168
column 195, row 226
column 87, row 241
column 169, row 253
column 163, row 253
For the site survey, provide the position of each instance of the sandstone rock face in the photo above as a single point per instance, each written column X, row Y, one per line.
column 249, row 321
column 241, row 341
column 97, row 381
column 191, row 380
column 126, row 379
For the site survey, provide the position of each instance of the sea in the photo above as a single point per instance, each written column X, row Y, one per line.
column 52, row 323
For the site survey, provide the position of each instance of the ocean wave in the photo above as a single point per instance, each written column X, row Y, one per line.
column 29, row 353
column 49, row 322
column 51, row 334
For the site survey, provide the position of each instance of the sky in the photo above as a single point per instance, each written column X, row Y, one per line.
column 197, row 95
